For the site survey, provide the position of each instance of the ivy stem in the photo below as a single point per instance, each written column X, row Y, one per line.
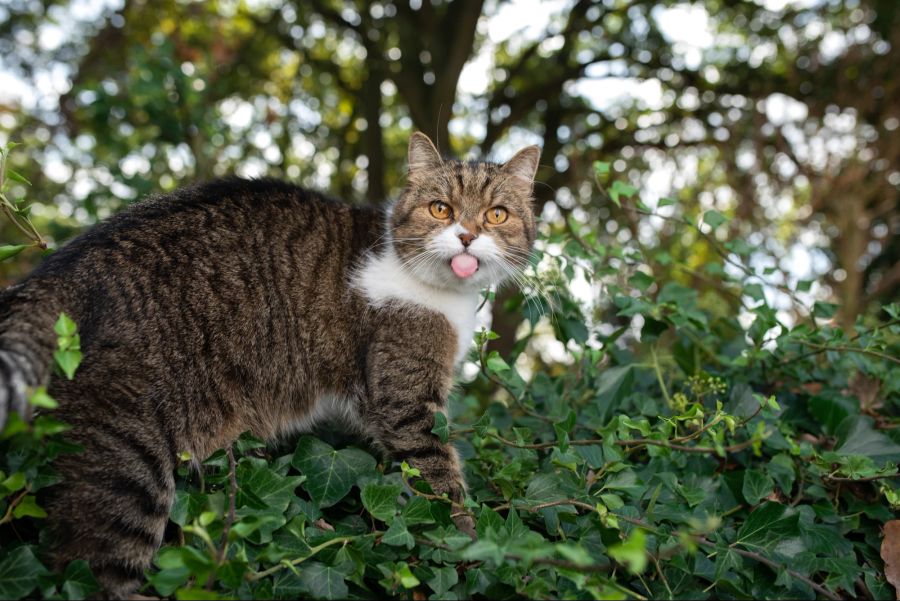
column 659, row 376
column 312, row 551
column 12, row 505
column 849, row 349
column 622, row 443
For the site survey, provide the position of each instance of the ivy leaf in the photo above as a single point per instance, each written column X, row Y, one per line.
column 330, row 474
column 380, row 500
column 443, row 580
column 767, row 522
column 496, row 363
column 323, row 582
column 19, row 573
column 11, row 250
column 857, row 436
column 632, row 552
column 64, row 326
column 665, row 202
column 614, row 384
column 16, row 176
column 824, row 310
column 28, row 507
column 68, row 361
column 273, row 490
column 40, row 398
column 757, row 486
column 714, row 219
column 78, row 581
column 398, row 534
column 441, row 427
column 620, row 188
column 641, row 280
column 417, row 511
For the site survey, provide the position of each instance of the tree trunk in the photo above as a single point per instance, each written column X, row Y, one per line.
column 374, row 137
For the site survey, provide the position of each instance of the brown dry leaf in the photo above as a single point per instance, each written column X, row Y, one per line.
column 890, row 553
column 321, row 524
column 867, row 390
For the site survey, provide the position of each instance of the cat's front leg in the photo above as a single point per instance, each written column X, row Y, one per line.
column 409, row 375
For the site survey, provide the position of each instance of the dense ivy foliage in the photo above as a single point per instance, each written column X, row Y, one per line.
column 707, row 446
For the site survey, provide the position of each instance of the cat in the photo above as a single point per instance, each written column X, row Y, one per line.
column 257, row 305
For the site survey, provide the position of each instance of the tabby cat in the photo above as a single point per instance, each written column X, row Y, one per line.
column 256, row 305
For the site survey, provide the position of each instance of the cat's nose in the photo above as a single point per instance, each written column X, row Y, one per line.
column 466, row 238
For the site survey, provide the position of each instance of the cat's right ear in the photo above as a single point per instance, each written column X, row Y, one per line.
column 423, row 156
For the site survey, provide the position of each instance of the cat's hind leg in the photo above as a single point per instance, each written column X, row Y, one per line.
column 112, row 507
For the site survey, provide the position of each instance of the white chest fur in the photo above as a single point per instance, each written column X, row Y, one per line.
column 384, row 281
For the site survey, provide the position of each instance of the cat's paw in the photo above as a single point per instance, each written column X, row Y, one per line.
column 466, row 524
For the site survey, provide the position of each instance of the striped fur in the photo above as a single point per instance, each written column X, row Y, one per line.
column 234, row 306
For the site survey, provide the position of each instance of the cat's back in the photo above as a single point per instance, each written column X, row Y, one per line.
column 222, row 220
column 249, row 251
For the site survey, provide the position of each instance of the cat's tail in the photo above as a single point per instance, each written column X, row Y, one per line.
column 27, row 341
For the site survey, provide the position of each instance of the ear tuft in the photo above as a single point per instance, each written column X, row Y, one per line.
column 423, row 156
column 524, row 165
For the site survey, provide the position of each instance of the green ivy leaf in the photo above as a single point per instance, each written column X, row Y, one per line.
column 714, row 219
column 330, row 474
column 441, row 427
column 41, row 399
column 8, row 251
column 443, row 580
column 824, row 310
column 620, row 188
column 323, row 582
column 665, row 202
column 68, row 361
column 767, row 522
column 398, row 534
column 757, row 486
column 857, row 436
column 19, row 573
column 496, row 363
column 269, row 487
column 28, row 507
column 380, row 500
column 64, row 326
column 16, row 176
column 632, row 552
column 78, row 581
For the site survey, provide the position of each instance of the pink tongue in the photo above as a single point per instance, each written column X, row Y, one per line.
column 464, row 265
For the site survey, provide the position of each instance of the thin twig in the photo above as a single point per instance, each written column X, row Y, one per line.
column 312, row 551
column 232, row 493
column 849, row 349
column 865, row 479
column 776, row 567
column 12, row 505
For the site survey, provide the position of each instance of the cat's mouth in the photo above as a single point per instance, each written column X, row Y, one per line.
column 464, row 265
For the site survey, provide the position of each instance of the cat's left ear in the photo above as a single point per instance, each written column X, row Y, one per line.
column 423, row 156
column 523, row 166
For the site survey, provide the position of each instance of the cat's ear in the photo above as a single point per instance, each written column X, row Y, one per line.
column 423, row 156
column 523, row 166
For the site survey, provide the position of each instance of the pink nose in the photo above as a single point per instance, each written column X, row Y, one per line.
column 467, row 238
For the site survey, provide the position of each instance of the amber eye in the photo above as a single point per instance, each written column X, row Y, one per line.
column 440, row 210
column 496, row 215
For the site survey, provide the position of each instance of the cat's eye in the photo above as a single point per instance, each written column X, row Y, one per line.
column 440, row 210
column 496, row 215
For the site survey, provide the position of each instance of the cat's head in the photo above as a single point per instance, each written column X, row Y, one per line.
column 463, row 225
